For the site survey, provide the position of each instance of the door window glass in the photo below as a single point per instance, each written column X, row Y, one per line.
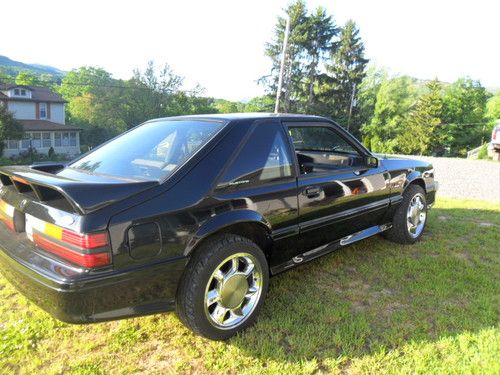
column 317, row 138
column 320, row 149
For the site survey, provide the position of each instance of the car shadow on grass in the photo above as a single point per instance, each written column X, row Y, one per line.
column 377, row 296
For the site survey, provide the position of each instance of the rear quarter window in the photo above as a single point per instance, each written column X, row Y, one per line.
column 264, row 158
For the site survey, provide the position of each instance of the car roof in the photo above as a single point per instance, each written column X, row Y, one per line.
column 246, row 116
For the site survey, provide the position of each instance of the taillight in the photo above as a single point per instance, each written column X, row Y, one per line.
column 7, row 214
column 85, row 260
column 87, row 250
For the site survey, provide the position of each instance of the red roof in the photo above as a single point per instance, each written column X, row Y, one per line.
column 44, row 125
column 38, row 94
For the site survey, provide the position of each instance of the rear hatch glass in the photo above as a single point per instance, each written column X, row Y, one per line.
column 149, row 152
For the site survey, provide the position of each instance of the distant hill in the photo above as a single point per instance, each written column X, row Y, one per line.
column 12, row 67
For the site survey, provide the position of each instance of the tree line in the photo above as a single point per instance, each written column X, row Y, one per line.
column 326, row 73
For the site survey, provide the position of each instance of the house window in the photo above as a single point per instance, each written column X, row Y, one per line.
column 72, row 139
column 46, row 141
column 43, row 110
column 57, row 139
column 65, row 139
column 36, row 140
column 12, row 144
column 20, row 92
column 26, row 141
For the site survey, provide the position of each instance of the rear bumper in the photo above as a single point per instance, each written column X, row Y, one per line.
column 74, row 296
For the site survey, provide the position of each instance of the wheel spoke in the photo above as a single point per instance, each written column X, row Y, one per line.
column 219, row 276
column 235, row 264
column 251, row 291
column 237, row 312
column 249, row 269
column 219, row 314
column 212, row 297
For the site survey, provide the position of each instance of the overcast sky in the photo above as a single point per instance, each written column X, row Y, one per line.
column 220, row 43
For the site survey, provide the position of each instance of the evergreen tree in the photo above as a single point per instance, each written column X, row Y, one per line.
column 422, row 134
column 320, row 32
column 346, row 71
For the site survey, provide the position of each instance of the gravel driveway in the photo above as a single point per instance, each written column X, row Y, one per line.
column 463, row 178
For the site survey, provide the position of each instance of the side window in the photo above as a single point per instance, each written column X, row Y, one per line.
column 316, row 138
column 320, row 149
column 264, row 158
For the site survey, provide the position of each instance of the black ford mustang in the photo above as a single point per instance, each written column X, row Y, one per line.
column 195, row 213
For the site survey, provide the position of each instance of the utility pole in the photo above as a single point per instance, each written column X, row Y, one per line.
column 282, row 67
column 351, row 105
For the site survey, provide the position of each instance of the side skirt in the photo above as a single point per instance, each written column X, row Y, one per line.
column 329, row 247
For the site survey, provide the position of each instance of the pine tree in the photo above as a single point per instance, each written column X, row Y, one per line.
column 346, row 71
column 422, row 134
column 320, row 32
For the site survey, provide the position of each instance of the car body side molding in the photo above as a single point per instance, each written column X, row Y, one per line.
column 328, row 248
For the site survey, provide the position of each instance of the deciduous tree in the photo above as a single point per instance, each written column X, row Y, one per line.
column 10, row 128
column 395, row 98
column 465, row 120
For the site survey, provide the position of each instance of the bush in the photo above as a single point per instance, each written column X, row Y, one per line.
column 31, row 156
column 483, row 152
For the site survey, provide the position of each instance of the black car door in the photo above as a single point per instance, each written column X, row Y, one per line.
column 342, row 189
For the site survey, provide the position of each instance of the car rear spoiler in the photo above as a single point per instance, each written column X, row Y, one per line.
column 82, row 196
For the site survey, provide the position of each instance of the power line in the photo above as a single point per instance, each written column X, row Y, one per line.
column 6, row 81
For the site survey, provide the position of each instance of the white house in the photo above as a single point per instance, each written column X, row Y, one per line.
column 41, row 113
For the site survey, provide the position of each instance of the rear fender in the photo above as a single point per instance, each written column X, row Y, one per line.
column 221, row 221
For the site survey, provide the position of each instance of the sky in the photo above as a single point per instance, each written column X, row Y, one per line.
column 219, row 44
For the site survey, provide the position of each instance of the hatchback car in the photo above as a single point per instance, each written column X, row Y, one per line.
column 196, row 213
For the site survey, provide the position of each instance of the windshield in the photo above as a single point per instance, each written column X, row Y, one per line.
column 151, row 151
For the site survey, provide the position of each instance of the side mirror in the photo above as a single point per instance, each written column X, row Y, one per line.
column 372, row 162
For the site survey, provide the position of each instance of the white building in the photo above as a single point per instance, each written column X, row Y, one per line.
column 41, row 113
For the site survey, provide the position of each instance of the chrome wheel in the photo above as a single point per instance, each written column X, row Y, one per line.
column 416, row 215
column 233, row 290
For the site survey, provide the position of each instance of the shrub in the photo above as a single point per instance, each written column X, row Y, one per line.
column 483, row 152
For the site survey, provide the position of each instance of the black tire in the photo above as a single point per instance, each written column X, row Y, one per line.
column 191, row 293
column 400, row 232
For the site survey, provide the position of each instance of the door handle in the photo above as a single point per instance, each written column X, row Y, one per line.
column 312, row 192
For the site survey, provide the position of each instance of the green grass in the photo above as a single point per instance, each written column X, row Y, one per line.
column 374, row 307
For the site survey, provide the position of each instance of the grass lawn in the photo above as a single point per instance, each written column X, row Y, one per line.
column 374, row 307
